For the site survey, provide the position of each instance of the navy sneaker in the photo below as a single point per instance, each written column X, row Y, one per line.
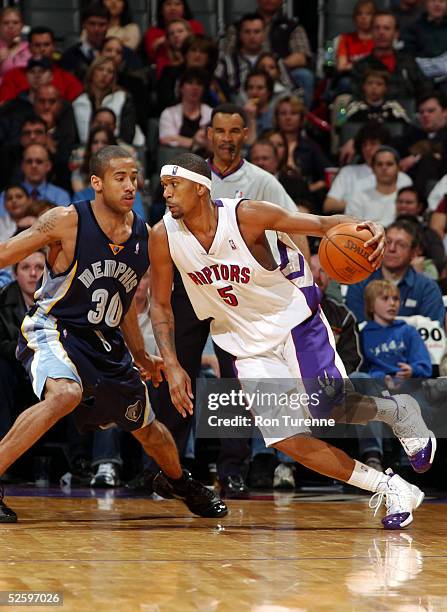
column 199, row 499
column 6, row 514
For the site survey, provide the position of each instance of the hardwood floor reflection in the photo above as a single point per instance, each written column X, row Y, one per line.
column 266, row 556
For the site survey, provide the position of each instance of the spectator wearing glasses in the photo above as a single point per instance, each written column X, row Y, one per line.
column 419, row 295
column 36, row 167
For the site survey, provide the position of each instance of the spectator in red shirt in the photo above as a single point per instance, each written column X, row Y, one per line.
column 167, row 11
column 14, row 52
column 355, row 45
column 41, row 45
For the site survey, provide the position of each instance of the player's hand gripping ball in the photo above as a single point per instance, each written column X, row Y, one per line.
column 343, row 254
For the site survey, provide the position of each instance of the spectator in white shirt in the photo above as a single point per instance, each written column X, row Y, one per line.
column 358, row 177
column 378, row 202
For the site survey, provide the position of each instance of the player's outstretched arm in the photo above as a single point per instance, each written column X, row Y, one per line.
column 162, row 317
column 256, row 217
column 49, row 228
column 150, row 366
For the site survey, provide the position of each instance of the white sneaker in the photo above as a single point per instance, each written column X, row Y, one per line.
column 418, row 441
column 401, row 498
column 106, row 476
column 283, row 477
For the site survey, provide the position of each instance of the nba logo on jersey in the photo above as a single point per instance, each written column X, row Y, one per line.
column 137, row 248
column 133, row 411
column 174, row 170
column 238, row 194
column 232, row 245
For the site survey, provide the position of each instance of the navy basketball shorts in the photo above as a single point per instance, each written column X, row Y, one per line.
column 112, row 389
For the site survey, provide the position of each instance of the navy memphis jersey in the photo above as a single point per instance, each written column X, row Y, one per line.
column 97, row 289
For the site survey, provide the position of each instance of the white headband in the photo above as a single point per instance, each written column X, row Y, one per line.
column 171, row 170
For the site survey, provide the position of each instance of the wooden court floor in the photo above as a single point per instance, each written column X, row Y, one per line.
column 283, row 553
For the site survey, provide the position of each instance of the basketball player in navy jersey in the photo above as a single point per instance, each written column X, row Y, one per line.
column 268, row 316
column 76, row 339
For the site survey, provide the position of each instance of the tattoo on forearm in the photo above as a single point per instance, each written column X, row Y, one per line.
column 164, row 335
column 47, row 223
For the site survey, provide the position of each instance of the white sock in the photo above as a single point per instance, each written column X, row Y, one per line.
column 386, row 410
column 367, row 478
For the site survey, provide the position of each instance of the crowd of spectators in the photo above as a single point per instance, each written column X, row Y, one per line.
column 367, row 137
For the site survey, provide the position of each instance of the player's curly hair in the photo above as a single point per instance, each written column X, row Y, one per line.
column 192, row 162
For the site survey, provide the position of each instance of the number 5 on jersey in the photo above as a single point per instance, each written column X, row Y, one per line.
column 228, row 297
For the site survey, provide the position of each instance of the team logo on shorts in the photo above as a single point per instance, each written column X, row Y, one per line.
column 327, row 383
column 134, row 411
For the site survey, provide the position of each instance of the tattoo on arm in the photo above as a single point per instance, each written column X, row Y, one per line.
column 47, row 223
column 164, row 336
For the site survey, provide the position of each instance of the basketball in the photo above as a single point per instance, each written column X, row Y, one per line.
column 343, row 255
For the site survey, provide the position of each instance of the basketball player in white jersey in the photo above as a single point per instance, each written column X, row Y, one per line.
column 269, row 318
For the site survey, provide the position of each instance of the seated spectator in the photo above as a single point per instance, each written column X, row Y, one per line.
column 419, row 295
column 36, row 167
column 287, row 39
column 282, row 83
column 183, row 125
column 101, row 90
column 129, row 77
column 14, row 52
column 406, row 79
column 427, row 38
column 155, row 36
column 410, row 205
column 423, row 147
column 15, row 299
column 121, row 24
column 258, row 98
column 61, row 135
column 235, row 67
column 303, row 154
column 393, row 350
column 17, row 211
column 356, row 45
column 177, row 31
column 353, row 46
column 199, row 51
column 360, row 176
column 379, row 202
column 95, row 21
column 374, row 105
column 264, row 154
column 41, row 46
column 32, row 131
column 80, row 162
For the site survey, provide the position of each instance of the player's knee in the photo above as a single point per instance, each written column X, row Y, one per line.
column 64, row 396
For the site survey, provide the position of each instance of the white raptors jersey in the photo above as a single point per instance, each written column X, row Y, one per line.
column 252, row 309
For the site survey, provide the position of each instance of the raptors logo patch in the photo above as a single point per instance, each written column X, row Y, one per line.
column 134, row 411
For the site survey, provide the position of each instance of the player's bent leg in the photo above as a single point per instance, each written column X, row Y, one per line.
column 400, row 497
column 403, row 414
column 172, row 481
column 61, row 397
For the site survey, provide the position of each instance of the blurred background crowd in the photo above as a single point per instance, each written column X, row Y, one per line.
column 328, row 107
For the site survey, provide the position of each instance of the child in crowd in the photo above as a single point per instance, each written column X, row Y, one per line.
column 374, row 106
column 393, row 350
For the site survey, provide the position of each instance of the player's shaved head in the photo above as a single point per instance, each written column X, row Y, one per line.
column 101, row 160
column 192, row 162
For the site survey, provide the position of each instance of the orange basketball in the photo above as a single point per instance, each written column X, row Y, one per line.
column 343, row 255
